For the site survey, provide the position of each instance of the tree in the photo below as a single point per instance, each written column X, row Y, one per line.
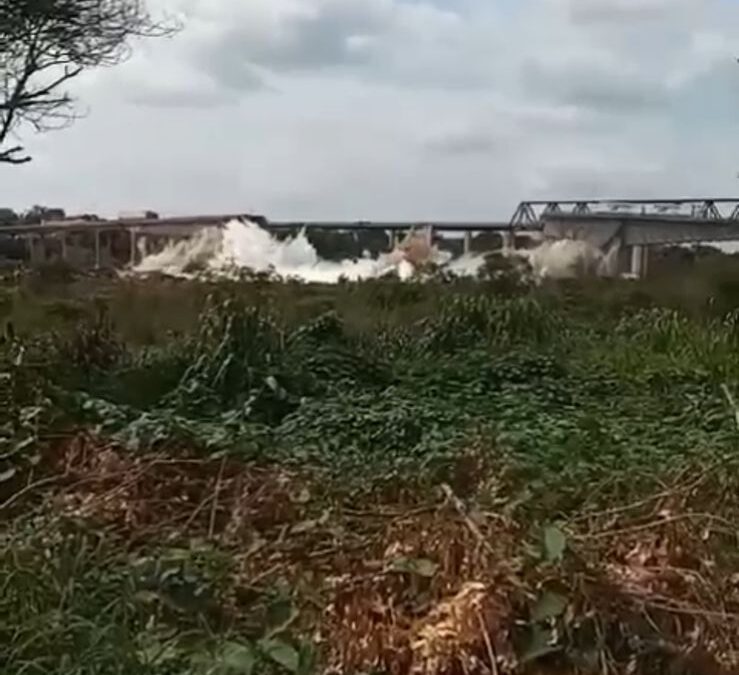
column 46, row 43
column 37, row 214
column 8, row 216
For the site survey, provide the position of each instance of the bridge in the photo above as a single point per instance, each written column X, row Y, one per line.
column 633, row 224
column 700, row 210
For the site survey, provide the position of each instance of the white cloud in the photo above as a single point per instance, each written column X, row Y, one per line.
column 608, row 11
column 402, row 108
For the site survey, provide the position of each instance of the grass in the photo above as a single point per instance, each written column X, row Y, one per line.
column 227, row 472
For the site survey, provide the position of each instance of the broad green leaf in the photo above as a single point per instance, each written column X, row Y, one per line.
column 238, row 658
column 281, row 653
column 307, row 661
column 540, row 643
column 549, row 606
column 158, row 655
column 423, row 567
column 555, row 543
column 279, row 611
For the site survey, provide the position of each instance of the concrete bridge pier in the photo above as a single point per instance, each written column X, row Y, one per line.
column 144, row 244
column 132, row 241
column 639, row 260
column 104, row 250
column 139, row 246
column 36, row 249
column 97, row 250
column 467, row 246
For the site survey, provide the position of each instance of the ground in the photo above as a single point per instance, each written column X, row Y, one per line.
column 382, row 477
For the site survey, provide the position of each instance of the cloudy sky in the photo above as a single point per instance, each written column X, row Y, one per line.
column 401, row 109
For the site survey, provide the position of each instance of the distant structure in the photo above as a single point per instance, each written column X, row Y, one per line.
column 630, row 226
column 634, row 225
column 138, row 215
column 40, row 214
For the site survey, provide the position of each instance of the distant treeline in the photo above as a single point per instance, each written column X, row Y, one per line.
column 34, row 216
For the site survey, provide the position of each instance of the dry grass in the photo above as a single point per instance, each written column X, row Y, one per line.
column 431, row 587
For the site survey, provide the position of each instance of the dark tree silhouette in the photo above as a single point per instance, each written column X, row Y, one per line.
column 46, row 43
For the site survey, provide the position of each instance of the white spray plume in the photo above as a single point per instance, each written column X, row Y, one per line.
column 246, row 245
column 568, row 259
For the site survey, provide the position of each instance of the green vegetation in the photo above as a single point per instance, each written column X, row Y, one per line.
column 306, row 406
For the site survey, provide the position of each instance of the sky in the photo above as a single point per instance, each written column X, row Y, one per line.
column 400, row 109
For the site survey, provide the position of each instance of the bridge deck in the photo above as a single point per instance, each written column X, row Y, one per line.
column 196, row 222
column 556, row 219
column 638, row 229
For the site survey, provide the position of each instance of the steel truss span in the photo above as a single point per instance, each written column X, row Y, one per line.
column 529, row 214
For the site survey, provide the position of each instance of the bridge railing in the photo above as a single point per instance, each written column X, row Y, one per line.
column 529, row 213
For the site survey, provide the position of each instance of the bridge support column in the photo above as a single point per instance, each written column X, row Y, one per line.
column 639, row 258
column 106, row 249
column 134, row 240
column 97, row 249
column 36, row 249
column 65, row 249
column 508, row 241
column 645, row 261
column 430, row 235
column 467, row 242
column 144, row 245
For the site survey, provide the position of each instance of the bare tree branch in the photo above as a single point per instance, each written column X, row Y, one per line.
column 12, row 156
column 44, row 44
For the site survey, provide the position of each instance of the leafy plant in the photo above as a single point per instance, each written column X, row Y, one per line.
column 588, row 401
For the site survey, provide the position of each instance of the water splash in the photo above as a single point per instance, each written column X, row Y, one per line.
column 569, row 259
column 240, row 245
